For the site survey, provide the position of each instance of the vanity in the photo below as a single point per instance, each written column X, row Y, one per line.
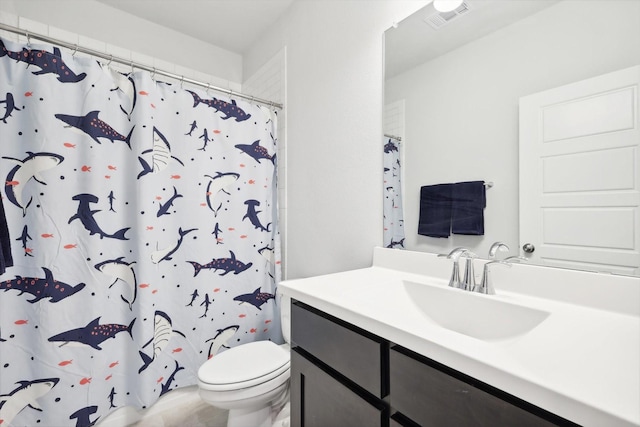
column 393, row 345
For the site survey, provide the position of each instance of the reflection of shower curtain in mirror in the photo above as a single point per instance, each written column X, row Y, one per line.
column 393, row 236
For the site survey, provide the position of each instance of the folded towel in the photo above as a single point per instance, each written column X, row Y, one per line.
column 468, row 203
column 435, row 210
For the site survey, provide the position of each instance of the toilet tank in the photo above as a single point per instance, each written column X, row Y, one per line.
column 285, row 316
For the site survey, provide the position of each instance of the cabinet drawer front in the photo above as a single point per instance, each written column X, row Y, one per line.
column 357, row 357
column 432, row 397
column 319, row 400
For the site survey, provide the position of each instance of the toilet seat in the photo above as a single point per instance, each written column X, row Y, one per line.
column 244, row 366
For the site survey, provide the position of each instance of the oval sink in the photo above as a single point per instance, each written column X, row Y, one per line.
column 479, row 316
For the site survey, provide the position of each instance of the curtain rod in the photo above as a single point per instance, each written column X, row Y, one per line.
column 110, row 58
column 393, row 137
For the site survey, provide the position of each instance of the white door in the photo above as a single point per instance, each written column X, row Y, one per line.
column 580, row 174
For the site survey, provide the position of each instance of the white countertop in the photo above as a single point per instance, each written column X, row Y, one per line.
column 581, row 363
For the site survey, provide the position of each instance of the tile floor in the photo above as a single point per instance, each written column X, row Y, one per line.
column 184, row 408
column 179, row 408
column 190, row 414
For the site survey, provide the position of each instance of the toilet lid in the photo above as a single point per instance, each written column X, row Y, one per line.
column 245, row 365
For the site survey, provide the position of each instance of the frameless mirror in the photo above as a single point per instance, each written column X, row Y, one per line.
column 454, row 82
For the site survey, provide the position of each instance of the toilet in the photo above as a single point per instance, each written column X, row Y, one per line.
column 249, row 380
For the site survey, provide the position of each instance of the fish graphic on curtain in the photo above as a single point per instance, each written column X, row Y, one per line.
column 139, row 252
column 393, row 220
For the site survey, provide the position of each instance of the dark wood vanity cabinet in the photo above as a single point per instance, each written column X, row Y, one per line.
column 433, row 395
column 338, row 373
column 321, row 400
column 344, row 376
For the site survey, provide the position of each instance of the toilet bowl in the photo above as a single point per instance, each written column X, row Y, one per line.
column 250, row 379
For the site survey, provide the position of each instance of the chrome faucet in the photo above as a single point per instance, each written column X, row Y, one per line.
column 497, row 246
column 486, row 286
column 455, row 254
column 469, row 281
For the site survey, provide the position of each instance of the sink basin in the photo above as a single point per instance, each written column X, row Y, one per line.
column 479, row 316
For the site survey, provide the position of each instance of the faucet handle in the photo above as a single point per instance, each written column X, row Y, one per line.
column 485, row 286
column 455, row 254
column 497, row 246
column 515, row 258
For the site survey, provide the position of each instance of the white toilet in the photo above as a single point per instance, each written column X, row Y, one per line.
column 250, row 379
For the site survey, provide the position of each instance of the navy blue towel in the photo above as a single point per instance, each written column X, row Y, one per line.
column 5, row 242
column 435, row 210
column 469, row 201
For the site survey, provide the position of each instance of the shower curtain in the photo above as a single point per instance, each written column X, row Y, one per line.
column 393, row 235
column 143, row 225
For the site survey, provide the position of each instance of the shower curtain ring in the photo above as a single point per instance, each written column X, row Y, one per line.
column 153, row 74
column 208, row 87
column 131, row 64
column 181, row 82
column 110, row 60
column 75, row 51
column 28, row 39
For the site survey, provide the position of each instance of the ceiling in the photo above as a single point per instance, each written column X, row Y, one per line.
column 234, row 25
column 415, row 42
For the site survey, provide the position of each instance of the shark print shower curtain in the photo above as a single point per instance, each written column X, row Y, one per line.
column 393, row 221
column 143, row 224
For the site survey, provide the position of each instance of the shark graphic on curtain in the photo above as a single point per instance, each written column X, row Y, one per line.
column 393, row 235
column 143, row 225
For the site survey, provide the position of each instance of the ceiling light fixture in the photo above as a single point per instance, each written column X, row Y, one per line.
column 446, row 5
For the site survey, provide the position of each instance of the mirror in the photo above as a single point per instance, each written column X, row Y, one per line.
column 454, row 84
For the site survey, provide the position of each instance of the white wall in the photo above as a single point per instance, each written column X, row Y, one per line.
column 462, row 108
column 100, row 27
column 334, row 127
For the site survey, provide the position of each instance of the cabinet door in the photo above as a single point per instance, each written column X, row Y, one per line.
column 319, row 400
column 432, row 397
column 357, row 354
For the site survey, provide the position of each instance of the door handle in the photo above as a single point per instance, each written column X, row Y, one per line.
column 528, row 248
